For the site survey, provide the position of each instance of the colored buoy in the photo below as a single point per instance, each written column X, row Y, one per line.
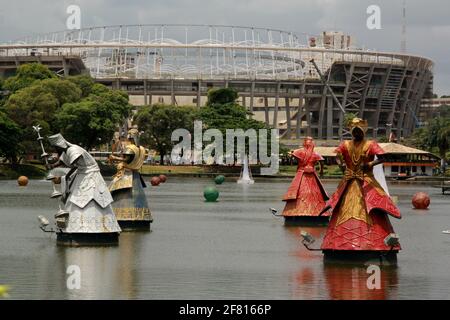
column 22, row 181
column 163, row 178
column 219, row 179
column 155, row 181
column 211, row 194
column 421, row 200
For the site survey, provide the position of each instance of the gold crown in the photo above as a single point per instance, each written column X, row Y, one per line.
column 358, row 123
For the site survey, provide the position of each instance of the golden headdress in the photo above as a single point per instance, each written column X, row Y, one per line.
column 358, row 123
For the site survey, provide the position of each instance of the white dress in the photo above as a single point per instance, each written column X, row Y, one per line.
column 89, row 200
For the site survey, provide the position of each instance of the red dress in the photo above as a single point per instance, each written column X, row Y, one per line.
column 360, row 206
column 306, row 195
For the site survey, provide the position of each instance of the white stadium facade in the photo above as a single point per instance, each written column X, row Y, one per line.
column 293, row 82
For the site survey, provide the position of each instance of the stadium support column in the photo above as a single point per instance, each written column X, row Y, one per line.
column 308, row 117
column 394, row 106
column 329, row 118
column 416, row 101
column 172, row 92
column 199, row 93
column 65, row 67
column 376, row 123
column 288, row 117
column 322, row 113
column 299, row 111
column 145, row 92
column 252, row 98
column 362, row 105
column 117, row 85
column 406, row 99
column 266, row 110
column 277, row 100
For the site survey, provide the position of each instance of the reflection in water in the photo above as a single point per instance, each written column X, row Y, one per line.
column 342, row 282
column 106, row 272
column 305, row 280
column 232, row 249
column 346, row 282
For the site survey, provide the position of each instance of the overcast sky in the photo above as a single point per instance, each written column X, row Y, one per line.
column 428, row 22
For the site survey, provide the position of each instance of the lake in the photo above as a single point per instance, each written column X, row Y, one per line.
column 230, row 249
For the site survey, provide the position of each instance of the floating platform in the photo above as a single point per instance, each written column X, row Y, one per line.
column 306, row 221
column 87, row 239
column 387, row 258
column 134, row 225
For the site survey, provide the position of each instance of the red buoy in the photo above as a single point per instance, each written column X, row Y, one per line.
column 421, row 200
column 163, row 178
column 155, row 181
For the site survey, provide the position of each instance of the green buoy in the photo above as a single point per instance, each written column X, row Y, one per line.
column 219, row 179
column 211, row 194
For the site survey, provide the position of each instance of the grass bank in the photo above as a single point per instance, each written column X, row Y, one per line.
column 32, row 171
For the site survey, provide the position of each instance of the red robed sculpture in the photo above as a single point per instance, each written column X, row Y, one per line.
column 306, row 196
column 360, row 207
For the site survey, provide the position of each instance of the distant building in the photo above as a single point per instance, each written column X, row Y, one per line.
column 429, row 108
column 403, row 161
column 408, row 162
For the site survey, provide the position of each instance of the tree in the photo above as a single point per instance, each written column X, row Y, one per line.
column 159, row 121
column 38, row 104
column 221, row 96
column 84, row 82
column 87, row 112
column 436, row 135
column 222, row 112
column 439, row 135
column 93, row 120
column 9, row 138
column 26, row 74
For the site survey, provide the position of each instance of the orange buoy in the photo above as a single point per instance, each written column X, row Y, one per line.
column 22, row 181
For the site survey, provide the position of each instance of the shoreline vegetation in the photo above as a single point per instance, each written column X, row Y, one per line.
column 37, row 171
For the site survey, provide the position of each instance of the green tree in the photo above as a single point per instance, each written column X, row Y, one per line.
column 439, row 135
column 159, row 121
column 38, row 104
column 93, row 120
column 222, row 112
column 221, row 96
column 9, row 138
column 435, row 136
column 84, row 82
column 26, row 74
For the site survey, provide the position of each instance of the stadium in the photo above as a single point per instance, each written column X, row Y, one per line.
column 295, row 82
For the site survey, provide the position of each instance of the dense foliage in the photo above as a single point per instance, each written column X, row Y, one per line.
column 85, row 112
column 159, row 121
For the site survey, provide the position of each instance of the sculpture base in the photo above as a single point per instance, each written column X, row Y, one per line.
column 87, row 239
column 306, row 221
column 361, row 257
column 134, row 225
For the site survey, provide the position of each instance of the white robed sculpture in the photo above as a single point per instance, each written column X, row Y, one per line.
column 86, row 197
